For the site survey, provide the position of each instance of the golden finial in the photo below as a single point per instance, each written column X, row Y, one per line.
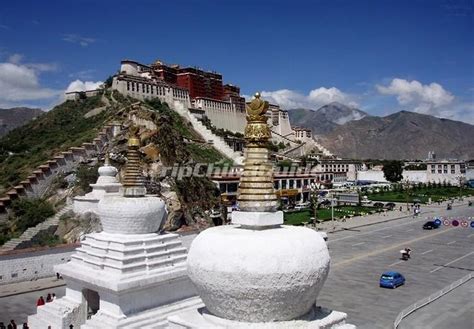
column 107, row 159
column 256, row 191
column 133, row 183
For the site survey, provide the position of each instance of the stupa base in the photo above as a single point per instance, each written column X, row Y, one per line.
column 317, row 318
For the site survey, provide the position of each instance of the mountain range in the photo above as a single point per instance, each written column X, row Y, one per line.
column 16, row 117
column 352, row 133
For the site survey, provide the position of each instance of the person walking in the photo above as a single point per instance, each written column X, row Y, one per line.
column 49, row 298
column 12, row 322
column 54, row 296
column 40, row 301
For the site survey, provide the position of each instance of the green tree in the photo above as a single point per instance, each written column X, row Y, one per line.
column 392, row 171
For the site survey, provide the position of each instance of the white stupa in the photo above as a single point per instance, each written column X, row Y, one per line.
column 258, row 273
column 127, row 276
column 106, row 183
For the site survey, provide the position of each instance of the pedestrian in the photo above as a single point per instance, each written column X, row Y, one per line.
column 401, row 208
column 25, row 326
column 9, row 326
column 2, row 325
column 49, row 298
column 54, row 296
column 57, row 276
column 12, row 322
column 40, row 301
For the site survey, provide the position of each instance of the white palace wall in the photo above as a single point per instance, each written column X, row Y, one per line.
column 19, row 266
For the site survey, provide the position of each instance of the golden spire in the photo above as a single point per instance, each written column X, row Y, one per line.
column 133, row 183
column 256, row 191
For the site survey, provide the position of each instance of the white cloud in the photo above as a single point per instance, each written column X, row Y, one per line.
column 18, row 82
column 78, row 85
column 426, row 99
column 430, row 99
column 289, row 99
column 15, row 58
column 78, row 39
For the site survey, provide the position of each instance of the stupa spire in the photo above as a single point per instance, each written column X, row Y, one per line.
column 133, row 183
column 256, row 183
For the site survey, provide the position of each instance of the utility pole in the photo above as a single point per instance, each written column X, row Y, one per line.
column 406, row 186
column 314, row 198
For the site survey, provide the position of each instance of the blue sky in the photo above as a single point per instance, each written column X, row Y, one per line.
column 381, row 56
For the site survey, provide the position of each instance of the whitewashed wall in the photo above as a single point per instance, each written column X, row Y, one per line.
column 31, row 265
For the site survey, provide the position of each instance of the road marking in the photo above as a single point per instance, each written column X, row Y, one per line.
column 410, row 221
column 386, row 236
column 400, row 261
column 402, row 244
column 472, row 234
column 451, row 242
column 357, row 244
column 440, row 267
column 424, row 253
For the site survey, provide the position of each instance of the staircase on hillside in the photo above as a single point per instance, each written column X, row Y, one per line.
column 209, row 136
column 26, row 238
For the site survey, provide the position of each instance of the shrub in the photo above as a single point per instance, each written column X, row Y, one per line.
column 30, row 212
column 85, row 176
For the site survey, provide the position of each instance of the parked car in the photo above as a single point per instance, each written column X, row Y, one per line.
column 431, row 225
column 301, row 206
column 378, row 205
column 391, row 279
column 390, row 205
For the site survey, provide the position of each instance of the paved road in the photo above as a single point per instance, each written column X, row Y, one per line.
column 358, row 257
column 453, row 310
column 18, row 307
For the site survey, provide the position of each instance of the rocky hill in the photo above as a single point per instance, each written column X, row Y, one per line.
column 326, row 118
column 402, row 135
column 167, row 139
column 16, row 117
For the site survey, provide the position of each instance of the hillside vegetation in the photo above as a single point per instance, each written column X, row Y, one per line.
column 26, row 147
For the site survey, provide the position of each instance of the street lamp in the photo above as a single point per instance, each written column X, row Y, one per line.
column 314, row 200
column 406, row 186
column 461, row 181
column 332, row 212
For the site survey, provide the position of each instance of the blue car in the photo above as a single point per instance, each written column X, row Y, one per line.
column 391, row 279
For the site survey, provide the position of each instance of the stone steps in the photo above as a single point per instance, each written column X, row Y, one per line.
column 31, row 232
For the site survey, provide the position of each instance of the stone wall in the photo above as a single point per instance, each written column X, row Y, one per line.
column 34, row 263
column 37, row 184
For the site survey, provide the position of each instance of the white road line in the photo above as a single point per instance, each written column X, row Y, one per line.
column 427, row 251
column 451, row 242
column 400, row 261
column 357, row 244
column 386, row 236
column 411, row 221
column 440, row 267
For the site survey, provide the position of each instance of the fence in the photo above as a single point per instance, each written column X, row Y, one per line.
column 412, row 308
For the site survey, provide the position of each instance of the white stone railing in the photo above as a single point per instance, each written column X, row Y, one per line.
column 425, row 301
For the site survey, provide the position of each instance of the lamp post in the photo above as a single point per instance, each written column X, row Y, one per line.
column 314, row 200
column 406, row 186
column 332, row 212
column 461, row 181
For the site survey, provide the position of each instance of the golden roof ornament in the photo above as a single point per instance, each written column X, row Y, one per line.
column 133, row 182
column 256, row 191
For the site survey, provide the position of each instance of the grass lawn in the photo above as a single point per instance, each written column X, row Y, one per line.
column 299, row 217
column 423, row 194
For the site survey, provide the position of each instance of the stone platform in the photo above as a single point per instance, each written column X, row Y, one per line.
column 317, row 318
column 116, row 280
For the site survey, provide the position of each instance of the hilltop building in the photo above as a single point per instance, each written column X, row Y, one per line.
column 203, row 94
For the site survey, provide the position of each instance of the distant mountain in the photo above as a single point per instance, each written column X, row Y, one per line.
column 326, row 118
column 16, row 117
column 402, row 135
